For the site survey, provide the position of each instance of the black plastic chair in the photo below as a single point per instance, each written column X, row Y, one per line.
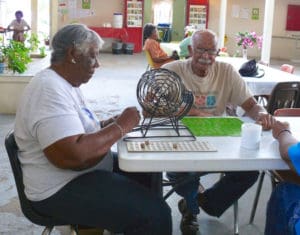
column 28, row 211
column 284, row 95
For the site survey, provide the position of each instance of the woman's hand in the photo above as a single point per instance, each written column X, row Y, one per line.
column 128, row 119
column 279, row 127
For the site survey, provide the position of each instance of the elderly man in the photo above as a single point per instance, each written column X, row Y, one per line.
column 214, row 85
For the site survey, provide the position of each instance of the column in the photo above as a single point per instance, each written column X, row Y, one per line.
column 222, row 23
column 267, row 31
column 34, row 18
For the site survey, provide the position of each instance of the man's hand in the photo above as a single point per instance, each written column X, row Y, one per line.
column 266, row 120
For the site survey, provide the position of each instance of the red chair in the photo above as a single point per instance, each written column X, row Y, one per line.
column 287, row 68
column 291, row 112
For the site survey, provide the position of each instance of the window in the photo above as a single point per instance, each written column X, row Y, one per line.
column 43, row 19
column 9, row 7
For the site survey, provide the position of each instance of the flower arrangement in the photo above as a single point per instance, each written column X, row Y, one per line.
column 248, row 39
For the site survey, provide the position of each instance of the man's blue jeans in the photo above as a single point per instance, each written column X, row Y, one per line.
column 113, row 201
column 220, row 196
column 283, row 210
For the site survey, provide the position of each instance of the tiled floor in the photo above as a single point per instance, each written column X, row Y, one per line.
column 112, row 89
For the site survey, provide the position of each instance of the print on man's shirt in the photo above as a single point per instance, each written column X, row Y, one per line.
column 205, row 101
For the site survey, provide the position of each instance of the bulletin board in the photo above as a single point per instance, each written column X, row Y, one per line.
column 293, row 18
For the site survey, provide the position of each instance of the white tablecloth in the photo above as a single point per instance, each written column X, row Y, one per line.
column 265, row 84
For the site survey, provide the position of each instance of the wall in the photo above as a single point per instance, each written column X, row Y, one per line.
column 11, row 88
column 283, row 45
column 148, row 11
column 101, row 12
column 179, row 12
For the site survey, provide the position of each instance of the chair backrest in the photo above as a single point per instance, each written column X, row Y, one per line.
column 28, row 211
column 287, row 68
column 287, row 112
column 284, row 95
column 149, row 60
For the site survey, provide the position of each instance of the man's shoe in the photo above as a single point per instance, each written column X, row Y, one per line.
column 188, row 224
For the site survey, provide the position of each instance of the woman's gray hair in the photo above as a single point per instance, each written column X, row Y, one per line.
column 78, row 36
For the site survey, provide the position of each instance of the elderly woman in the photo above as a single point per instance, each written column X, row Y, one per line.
column 69, row 170
column 151, row 45
column 19, row 26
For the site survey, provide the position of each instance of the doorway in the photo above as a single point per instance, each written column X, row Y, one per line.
column 43, row 19
column 162, row 11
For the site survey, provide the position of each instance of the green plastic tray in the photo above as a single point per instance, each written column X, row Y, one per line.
column 213, row 126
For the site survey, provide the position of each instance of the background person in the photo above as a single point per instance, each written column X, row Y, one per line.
column 18, row 26
column 214, row 85
column 283, row 210
column 183, row 45
column 69, row 171
column 152, row 45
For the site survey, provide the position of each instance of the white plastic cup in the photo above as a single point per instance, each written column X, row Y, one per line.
column 251, row 135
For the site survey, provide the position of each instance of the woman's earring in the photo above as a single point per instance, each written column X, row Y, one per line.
column 73, row 61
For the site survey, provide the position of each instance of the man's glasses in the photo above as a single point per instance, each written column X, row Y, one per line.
column 208, row 51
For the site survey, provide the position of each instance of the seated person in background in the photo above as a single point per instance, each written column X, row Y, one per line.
column 214, row 85
column 283, row 210
column 151, row 45
column 183, row 45
column 69, row 171
column 18, row 26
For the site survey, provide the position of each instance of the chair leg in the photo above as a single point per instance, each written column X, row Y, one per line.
column 47, row 230
column 236, row 218
column 258, row 190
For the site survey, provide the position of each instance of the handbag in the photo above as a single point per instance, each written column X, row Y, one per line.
column 250, row 69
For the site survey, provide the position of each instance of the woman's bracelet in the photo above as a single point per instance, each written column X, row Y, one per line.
column 120, row 128
column 106, row 122
column 283, row 130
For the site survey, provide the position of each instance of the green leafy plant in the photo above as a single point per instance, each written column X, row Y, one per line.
column 2, row 57
column 2, row 54
column 33, row 42
column 17, row 56
column 42, row 51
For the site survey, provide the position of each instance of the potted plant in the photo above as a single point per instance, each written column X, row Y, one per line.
column 2, row 60
column 33, row 41
column 47, row 40
column 42, row 51
column 248, row 40
column 17, row 56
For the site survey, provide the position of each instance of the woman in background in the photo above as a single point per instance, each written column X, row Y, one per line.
column 19, row 26
column 151, row 45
